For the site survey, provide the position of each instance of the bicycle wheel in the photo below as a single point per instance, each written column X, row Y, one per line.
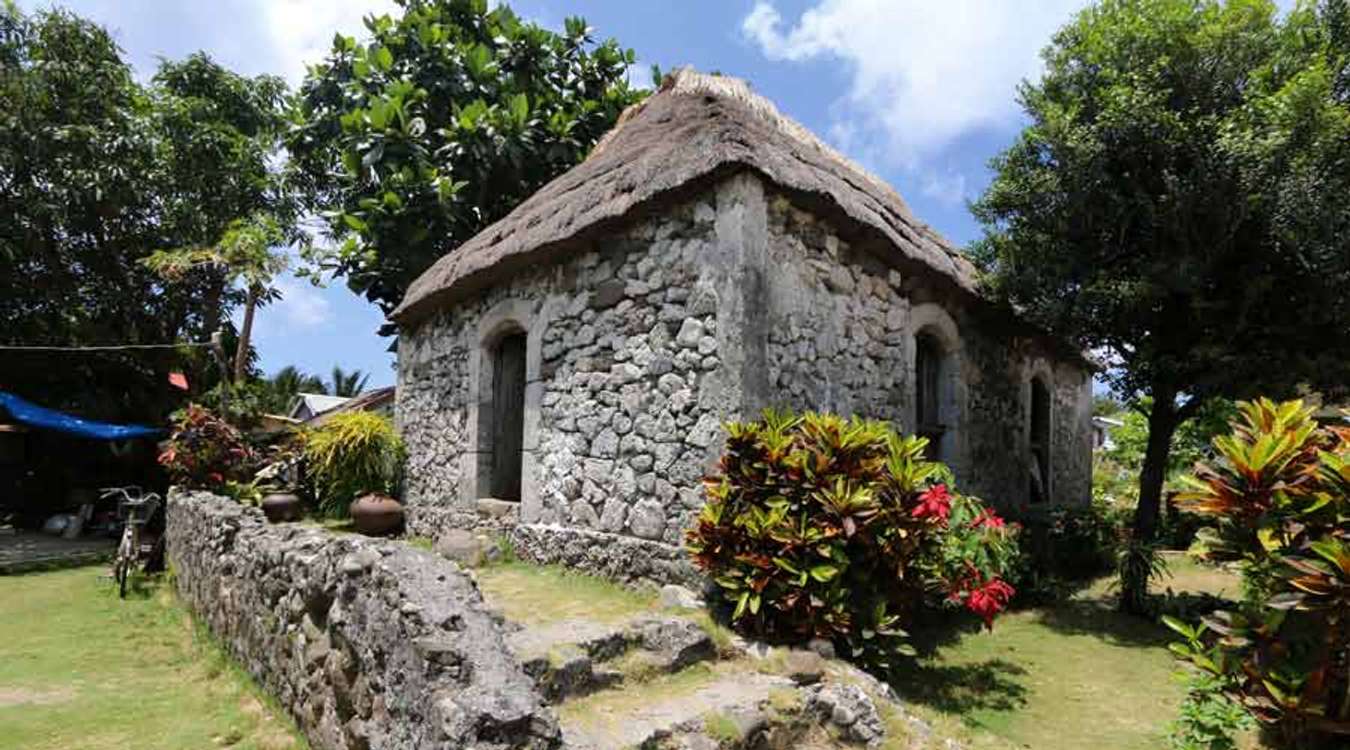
column 120, row 573
column 125, row 558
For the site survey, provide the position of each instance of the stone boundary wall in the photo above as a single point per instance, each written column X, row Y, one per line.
column 628, row 560
column 369, row 644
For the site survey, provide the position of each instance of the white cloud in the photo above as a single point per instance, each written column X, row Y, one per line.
column 945, row 187
column 301, row 31
column 302, row 305
column 922, row 73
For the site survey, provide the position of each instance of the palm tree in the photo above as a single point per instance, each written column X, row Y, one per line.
column 286, row 384
column 347, row 383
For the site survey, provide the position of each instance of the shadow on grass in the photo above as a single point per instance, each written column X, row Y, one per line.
column 1100, row 618
column 991, row 685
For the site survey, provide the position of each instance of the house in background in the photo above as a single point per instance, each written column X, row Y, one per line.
column 309, row 405
column 567, row 371
column 378, row 400
column 1101, row 432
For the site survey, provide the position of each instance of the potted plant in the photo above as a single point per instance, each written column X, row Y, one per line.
column 355, row 461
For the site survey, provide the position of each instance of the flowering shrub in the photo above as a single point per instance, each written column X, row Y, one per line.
column 1279, row 497
column 818, row 526
column 206, row 452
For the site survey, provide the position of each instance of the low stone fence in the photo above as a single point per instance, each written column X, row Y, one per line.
column 625, row 559
column 367, row 643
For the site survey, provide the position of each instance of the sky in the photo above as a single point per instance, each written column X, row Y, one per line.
column 922, row 93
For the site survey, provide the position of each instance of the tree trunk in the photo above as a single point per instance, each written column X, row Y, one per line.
column 245, row 334
column 1162, row 423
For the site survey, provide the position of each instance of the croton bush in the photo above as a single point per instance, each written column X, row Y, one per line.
column 818, row 526
column 1279, row 498
column 206, row 452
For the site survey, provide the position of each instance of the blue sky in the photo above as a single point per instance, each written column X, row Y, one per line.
column 920, row 92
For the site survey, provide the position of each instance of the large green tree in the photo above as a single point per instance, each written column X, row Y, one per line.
column 1178, row 204
column 218, row 135
column 96, row 173
column 412, row 141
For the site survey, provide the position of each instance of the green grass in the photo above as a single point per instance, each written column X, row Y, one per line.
column 80, row 668
column 1074, row 675
column 538, row 594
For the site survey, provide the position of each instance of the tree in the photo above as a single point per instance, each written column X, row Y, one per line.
column 96, row 173
column 280, row 390
column 1178, row 204
column 446, row 119
column 245, row 255
column 347, row 383
column 220, row 132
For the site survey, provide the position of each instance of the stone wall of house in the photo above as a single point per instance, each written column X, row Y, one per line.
column 635, row 352
column 367, row 643
column 840, row 327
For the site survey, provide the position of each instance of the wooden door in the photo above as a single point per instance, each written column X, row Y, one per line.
column 508, row 416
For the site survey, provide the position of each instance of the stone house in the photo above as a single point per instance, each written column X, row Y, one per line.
column 565, row 372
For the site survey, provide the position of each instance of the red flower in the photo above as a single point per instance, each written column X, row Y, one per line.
column 990, row 599
column 988, row 519
column 215, row 477
column 934, row 502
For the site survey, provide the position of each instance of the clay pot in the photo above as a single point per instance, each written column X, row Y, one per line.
column 281, row 506
column 376, row 514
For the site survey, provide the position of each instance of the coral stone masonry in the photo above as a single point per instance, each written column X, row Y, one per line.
column 367, row 643
column 566, row 373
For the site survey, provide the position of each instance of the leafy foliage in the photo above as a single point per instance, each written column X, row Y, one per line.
column 1063, row 548
column 350, row 455
column 281, row 389
column 1186, row 161
column 100, row 171
column 1190, row 443
column 205, row 451
column 1140, row 560
column 440, row 124
column 244, row 255
column 1279, row 496
column 347, row 383
column 1208, row 718
column 819, row 526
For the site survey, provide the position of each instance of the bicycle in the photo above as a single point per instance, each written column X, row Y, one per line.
column 135, row 508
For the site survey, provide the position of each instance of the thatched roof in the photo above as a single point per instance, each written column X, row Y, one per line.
column 694, row 128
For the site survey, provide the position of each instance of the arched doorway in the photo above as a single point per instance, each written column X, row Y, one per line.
column 928, row 392
column 505, row 417
column 1039, row 482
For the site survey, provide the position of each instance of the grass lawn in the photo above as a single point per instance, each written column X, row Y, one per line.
column 532, row 595
column 81, row 669
column 1073, row 675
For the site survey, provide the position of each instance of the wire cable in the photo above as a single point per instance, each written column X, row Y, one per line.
column 102, row 348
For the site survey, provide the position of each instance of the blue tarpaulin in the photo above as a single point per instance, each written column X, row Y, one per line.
column 41, row 418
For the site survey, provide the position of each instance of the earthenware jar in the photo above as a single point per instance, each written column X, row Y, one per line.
column 376, row 514
column 281, row 506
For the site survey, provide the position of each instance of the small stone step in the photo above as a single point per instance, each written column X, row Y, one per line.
column 670, row 706
column 567, row 658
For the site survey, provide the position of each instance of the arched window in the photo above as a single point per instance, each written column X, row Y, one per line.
column 929, row 389
column 1039, row 487
column 504, row 420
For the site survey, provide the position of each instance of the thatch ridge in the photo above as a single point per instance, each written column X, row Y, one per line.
column 694, row 127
